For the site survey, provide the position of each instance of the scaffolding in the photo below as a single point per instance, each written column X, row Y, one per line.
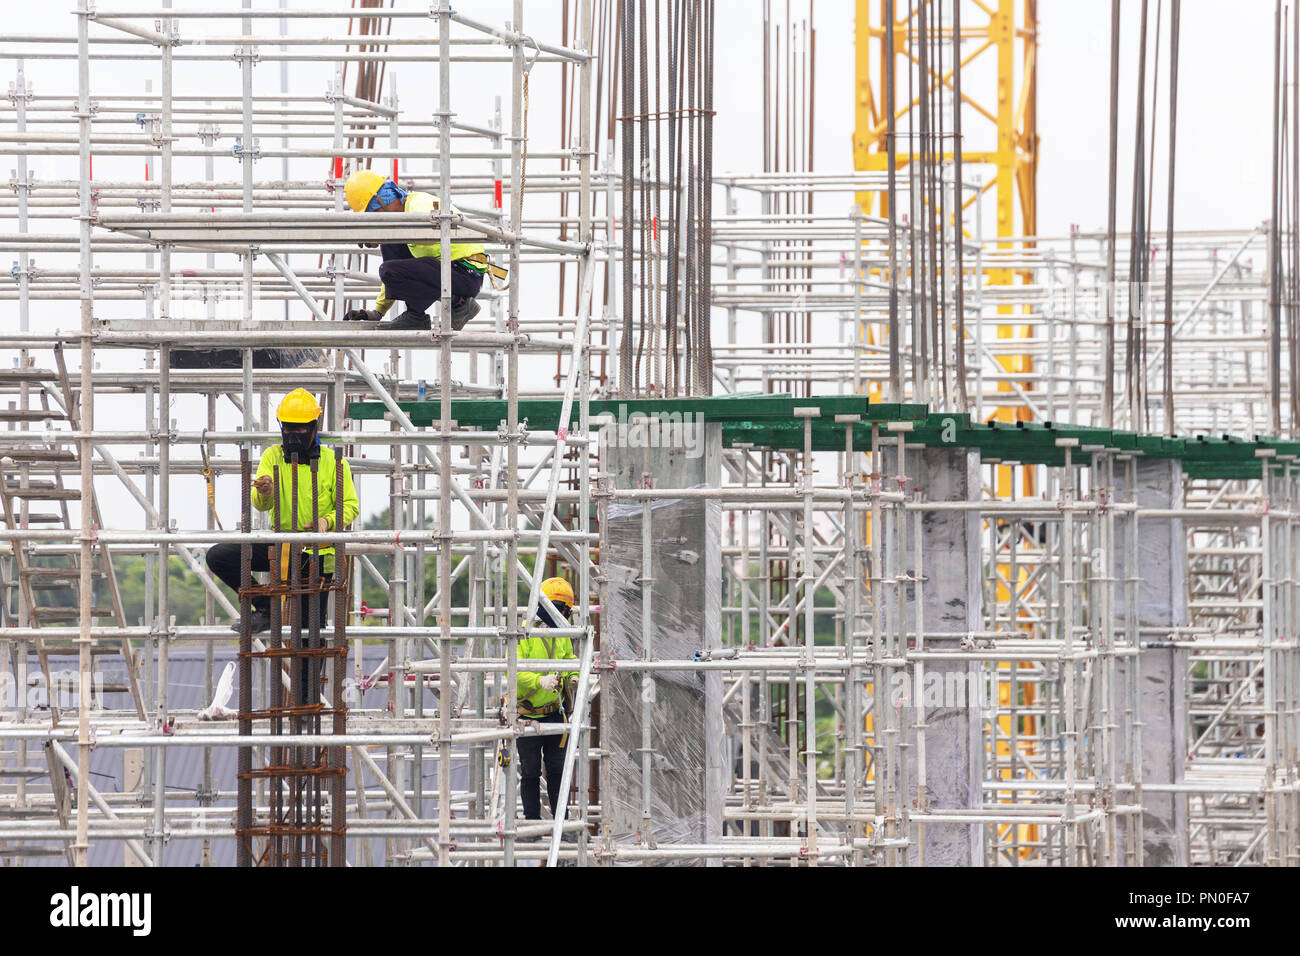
column 881, row 662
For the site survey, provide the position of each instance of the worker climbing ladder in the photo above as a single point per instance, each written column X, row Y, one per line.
column 306, row 811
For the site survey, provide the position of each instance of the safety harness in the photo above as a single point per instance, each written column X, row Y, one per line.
column 212, row 491
column 496, row 274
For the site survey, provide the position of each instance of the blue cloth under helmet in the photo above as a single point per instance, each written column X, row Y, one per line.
column 388, row 192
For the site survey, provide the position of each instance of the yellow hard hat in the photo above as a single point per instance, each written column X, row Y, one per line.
column 298, row 407
column 558, row 589
column 361, row 188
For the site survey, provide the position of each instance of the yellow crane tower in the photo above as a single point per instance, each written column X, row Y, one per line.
column 999, row 129
column 999, row 135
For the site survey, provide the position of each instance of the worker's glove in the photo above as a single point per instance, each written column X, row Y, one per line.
column 322, row 525
column 361, row 315
column 264, row 484
column 550, row 682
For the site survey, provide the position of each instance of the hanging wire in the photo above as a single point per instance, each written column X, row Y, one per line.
column 1175, row 11
column 958, row 237
column 1137, row 237
column 627, row 384
column 1294, row 319
column 1108, row 346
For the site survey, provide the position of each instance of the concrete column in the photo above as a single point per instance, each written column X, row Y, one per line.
column 686, row 739
column 951, row 694
column 1162, row 696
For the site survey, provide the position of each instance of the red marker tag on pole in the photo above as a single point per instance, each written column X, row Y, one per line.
column 394, row 172
column 497, row 187
column 338, row 167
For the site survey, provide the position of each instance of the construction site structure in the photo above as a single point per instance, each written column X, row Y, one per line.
column 832, row 606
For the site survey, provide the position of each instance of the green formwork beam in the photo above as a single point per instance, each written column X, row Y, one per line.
column 1281, row 446
column 544, row 414
column 769, row 421
column 1033, row 443
column 1222, row 470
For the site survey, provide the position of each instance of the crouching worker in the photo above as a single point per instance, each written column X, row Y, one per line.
column 541, row 698
column 299, row 436
column 412, row 272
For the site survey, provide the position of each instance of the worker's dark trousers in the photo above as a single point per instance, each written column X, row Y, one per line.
column 533, row 752
column 223, row 561
column 418, row 281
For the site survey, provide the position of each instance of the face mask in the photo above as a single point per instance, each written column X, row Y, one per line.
column 297, row 441
column 545, row 616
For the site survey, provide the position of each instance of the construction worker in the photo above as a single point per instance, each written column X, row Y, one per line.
column 540, row 699
column 299, row 417
column 413, row 273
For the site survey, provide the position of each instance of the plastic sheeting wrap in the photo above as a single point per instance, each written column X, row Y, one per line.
column 687, row 739
column 182, row 358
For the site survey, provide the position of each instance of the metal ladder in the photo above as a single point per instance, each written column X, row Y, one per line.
column 32, row 787
column 35, row 785
column 17, row 494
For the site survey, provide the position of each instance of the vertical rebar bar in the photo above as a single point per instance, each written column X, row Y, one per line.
column 1175, row 10
column 1108, row 342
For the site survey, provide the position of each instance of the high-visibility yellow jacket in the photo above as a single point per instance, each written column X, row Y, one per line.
column 273, row 463
column 427, row 203
column 532, row 699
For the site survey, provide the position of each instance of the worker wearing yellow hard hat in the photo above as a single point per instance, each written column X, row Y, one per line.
column 541, row 698
column 299, row 448
column 412, row 272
